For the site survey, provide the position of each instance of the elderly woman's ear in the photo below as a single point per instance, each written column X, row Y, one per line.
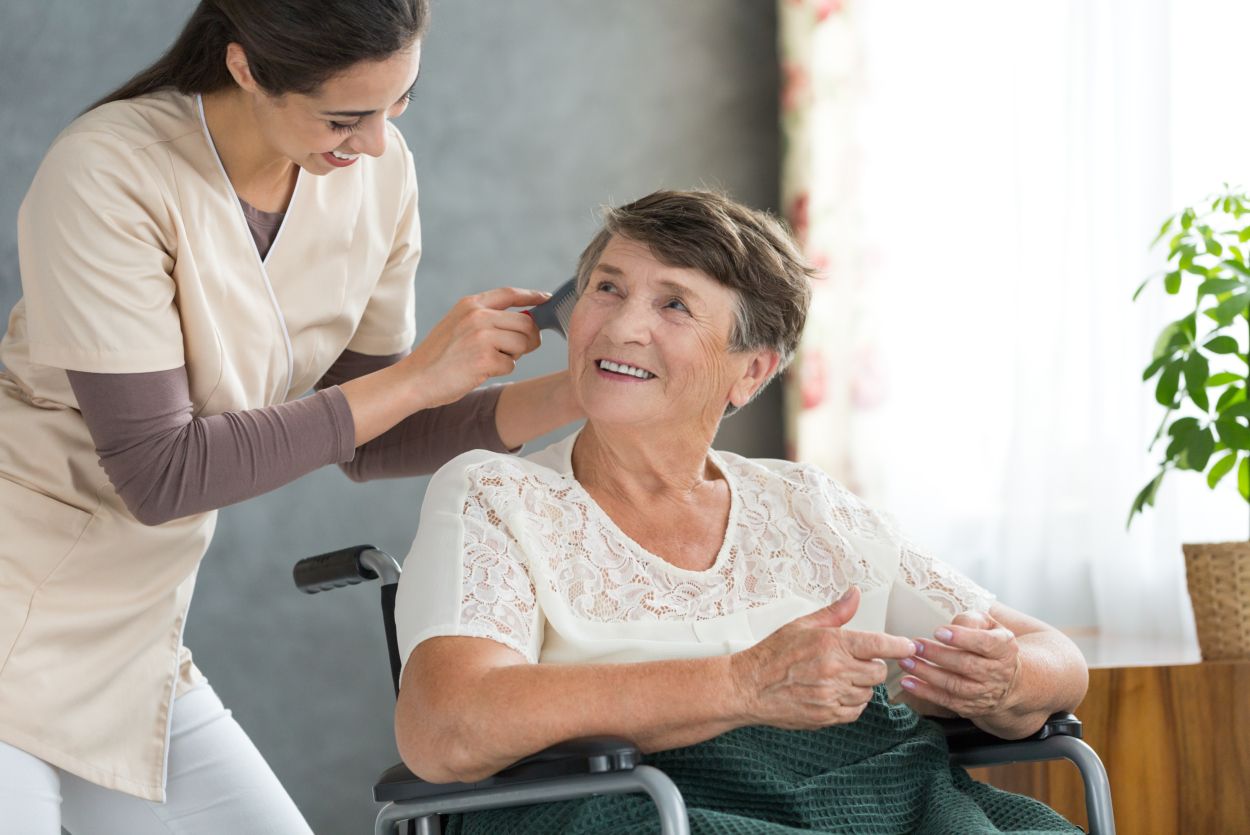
column 760, row 370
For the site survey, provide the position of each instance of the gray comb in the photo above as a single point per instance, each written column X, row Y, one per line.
column 554, row 314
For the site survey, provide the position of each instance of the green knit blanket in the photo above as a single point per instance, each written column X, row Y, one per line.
column 886, row 774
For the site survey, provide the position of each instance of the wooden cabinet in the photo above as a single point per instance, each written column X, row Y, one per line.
column 1176, row 744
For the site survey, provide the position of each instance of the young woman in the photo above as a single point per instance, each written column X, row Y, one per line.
column 235, row 225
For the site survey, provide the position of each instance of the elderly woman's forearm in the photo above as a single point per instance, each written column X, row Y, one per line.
column 1053, row 677
column 475, row 719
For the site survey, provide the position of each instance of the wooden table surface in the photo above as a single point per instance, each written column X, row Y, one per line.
column 1176, row 744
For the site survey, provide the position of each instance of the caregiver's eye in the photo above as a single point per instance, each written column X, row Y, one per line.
column 341, row 127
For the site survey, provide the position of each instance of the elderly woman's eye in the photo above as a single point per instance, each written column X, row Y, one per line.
column 677, row 304
column 606, row 287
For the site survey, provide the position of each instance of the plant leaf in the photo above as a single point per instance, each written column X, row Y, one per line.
column 1174, row 245
column 1221, row 469
column 1146, row 497
column 1172, row 282
column 1200, row 398
column 1222, row 344
column 1188, row 251
column 1243, row 479
column 1244, row 235
column 1223, row 379
column 1196, row 371
column 1174, row 337
column 1229, row 309
column 1233, row 394
column 1216, row 286
column 1236, row 267
column 1169, row 382
column 1182, row 428
column 1163, row 230
column 1198, row 449
column 1237, row 410
column 1233, row 434
column 1154, row 367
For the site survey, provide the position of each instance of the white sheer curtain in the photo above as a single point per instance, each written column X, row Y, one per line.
column 1016, row 160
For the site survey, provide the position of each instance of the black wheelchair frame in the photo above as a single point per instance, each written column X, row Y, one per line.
column 602, row 765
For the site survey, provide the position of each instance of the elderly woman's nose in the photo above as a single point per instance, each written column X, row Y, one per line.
column 630, row 322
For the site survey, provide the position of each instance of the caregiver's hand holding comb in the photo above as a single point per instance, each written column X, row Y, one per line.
column 479, row 338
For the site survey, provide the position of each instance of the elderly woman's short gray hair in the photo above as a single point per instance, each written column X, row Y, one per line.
column 746, row 250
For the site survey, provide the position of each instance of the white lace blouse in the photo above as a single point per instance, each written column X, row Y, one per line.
column 514, row 550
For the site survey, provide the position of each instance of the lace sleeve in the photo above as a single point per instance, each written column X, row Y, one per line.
column 498, row 600
column 937, row 581
column 918, row 571
column 466, row 575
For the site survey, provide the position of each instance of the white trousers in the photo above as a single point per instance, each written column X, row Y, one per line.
column 217, row 783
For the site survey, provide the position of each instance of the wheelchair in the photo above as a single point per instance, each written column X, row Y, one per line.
column 602, row 765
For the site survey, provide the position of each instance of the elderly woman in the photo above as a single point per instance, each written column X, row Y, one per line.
column 730, row 616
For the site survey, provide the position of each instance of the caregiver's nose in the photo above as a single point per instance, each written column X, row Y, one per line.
column 372, row 139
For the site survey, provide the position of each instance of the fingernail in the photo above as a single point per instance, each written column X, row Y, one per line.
column 944, row 635
column 907, row 664
column 846, row 594
column 919, row 648
column 908, row 684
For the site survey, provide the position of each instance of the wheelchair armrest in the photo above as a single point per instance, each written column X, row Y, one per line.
column 589, row 755
column 962, row 735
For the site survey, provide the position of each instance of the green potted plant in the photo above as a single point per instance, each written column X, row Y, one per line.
column 1204, row 374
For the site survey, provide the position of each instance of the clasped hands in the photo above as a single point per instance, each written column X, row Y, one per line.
column 971, row 668
column 813, row 673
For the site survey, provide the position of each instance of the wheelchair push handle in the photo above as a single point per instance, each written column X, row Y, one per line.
column 345, row 567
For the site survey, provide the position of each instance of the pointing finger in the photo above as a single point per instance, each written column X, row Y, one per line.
column 868, row 645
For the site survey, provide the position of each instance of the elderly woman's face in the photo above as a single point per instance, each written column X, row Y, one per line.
column 648, row 343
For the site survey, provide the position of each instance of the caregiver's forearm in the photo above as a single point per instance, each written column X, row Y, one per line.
column 532, row 408
column 499, row 418
column 421, row 443
column 484, row 707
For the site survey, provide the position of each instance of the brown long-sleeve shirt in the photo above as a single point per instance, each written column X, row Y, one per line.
column 164, row 464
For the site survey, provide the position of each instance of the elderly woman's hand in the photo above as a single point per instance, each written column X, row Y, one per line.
column 812, row 673
column 972, row 668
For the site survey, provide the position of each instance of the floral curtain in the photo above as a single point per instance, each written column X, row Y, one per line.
column 979, row 183
column 834, row 377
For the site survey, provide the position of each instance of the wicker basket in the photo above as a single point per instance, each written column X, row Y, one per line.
column 1219, row 586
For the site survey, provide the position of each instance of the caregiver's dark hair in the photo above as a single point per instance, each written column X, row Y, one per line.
column 292, row 46
column 747, row 250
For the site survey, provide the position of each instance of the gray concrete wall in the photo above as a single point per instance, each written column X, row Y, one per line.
column 528, row 116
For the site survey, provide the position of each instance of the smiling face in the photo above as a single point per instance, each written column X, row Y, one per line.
column 345, row 117
column 648, row 344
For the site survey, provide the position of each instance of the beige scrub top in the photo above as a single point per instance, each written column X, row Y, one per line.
column 135, row 256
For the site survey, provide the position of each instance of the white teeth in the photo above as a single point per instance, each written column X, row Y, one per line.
column 619, row 368
column 337, row 155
